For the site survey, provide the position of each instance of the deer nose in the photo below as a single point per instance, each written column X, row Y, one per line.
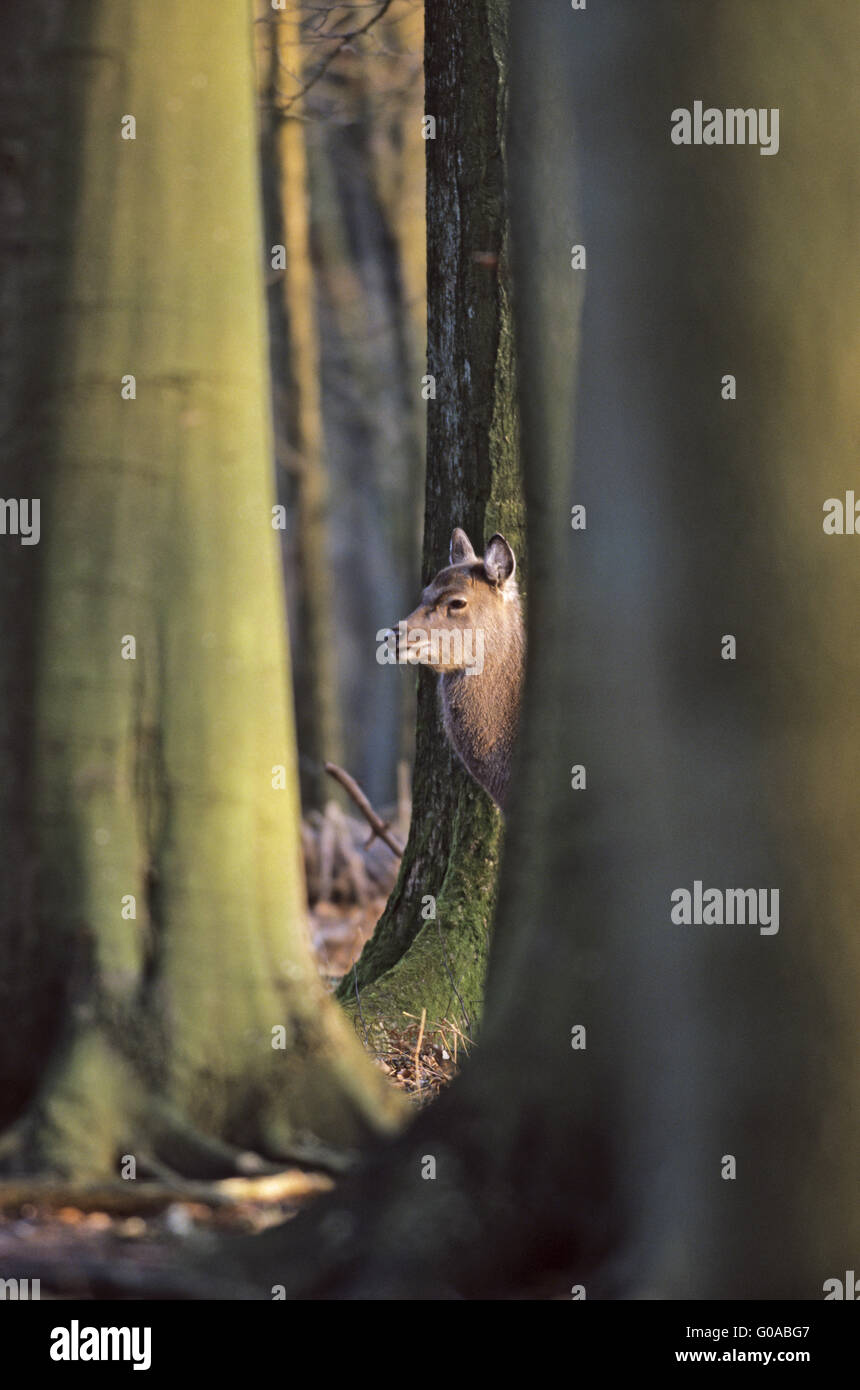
column 402, row 631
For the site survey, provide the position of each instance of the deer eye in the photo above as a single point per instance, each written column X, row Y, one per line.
column 455, row 604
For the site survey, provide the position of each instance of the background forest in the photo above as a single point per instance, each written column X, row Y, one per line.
column 291, row 291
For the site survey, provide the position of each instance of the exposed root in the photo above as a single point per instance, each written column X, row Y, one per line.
column 185, row 1149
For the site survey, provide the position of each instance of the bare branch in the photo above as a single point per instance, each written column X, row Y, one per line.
column 326, row 63
column 377, row 824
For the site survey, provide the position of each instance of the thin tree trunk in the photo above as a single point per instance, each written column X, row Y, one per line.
column 374, row 455
column 317, row 707
column 394, row 150
column 415, row 960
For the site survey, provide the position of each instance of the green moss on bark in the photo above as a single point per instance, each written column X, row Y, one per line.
column 473, row 480
column 443, row 969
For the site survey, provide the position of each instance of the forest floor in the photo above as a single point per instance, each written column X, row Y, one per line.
column 95, row 1242
column 420, row 1062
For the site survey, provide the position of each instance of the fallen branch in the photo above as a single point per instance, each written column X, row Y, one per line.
column 151, row 1197
column 377, row 824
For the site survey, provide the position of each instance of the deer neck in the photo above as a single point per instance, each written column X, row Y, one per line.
column 480, row 711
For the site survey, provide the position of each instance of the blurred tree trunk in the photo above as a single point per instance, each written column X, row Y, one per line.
column 161, row 904
column 367, row 407
column 472, row 480
column 396, row 150
column 742, row 772
column 315, row 649
column 31, row 267
column 603, row 1166
column 361, row 129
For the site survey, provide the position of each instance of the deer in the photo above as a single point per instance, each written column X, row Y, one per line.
column 468, row 629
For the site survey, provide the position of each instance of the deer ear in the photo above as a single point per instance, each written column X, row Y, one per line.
column 499, row 560
column 461, row 548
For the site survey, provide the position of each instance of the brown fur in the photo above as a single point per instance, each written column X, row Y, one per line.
column 480, row 711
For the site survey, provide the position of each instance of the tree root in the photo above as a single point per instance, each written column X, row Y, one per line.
column 133, row 1198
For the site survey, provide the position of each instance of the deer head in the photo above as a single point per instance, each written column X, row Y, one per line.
column 463, row 609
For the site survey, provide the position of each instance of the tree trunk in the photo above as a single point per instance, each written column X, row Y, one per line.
column 165, row 922
column 30, row 106
column 604, row 1167
column 315, row 650
column 371, row 397
column 416, row 960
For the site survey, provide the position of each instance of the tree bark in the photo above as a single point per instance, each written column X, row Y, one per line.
column 154, row 779
column 315, row 650
column 371, row 399
column 473, row 480
column 30, row 111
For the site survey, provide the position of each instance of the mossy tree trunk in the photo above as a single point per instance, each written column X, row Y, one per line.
column 162, row 903
column 421, row 955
